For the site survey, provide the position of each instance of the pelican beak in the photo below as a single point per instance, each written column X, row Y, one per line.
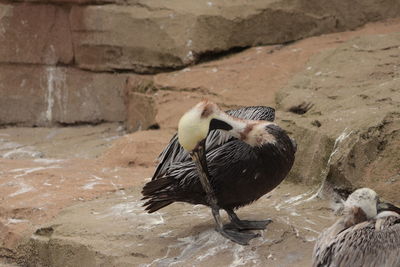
column 385, row 206
column 199, row 157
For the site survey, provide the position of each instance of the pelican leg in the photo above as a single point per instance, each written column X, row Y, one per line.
column 200, row 161
column 239, row 224
column 234, row 235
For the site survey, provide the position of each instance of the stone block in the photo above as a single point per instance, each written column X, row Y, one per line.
column 35, row 34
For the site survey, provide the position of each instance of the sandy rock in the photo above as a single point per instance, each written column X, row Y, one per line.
column 251, row 77
column 356, row 97
column 141, row 112
column 149, row 36
column 54, row 95
column 82, row 2
column 91, row 97
column 39, row 143
column 73, row 170
column 138, row 149
column 141, row 109
column 313, row 151
column 182, row 234
column 21, row 86
column 35, row 34
column 125, row 37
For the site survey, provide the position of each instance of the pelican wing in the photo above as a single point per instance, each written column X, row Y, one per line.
column 174, row 153
column 372, row 243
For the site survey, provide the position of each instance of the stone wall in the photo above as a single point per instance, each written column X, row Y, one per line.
column 67, row 61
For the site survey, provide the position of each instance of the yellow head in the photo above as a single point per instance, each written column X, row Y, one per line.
column 195, row 124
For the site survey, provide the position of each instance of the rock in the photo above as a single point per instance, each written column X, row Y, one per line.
column 45, row 38
column 34, row 191
column 139, row 149
column 141, row 111
column 42, row 143
column 117, row 232
column 251, row 77
column 58, row 95
column 149, row 36
column 126, row 37
column 81, row 2
column 35, row 34
column 313, row 151
column 369, row 157
column 356, row 97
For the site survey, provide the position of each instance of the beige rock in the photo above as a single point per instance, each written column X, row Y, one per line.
column 313, row 151
column 89, row 97
column 83, row 141
column 356, row 97
column 141, row 112
column 53, row 95
column 149, row 36
column 251, row 77
column 21, row 86
column 126, row 37
column 35, row 34
column 80, row 2
column 139, row 149
column 116, row 231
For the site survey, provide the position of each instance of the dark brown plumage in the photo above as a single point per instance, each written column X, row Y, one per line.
column 240, row 173
column 235, row 171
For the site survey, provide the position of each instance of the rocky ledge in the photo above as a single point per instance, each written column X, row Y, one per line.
column 337, row 94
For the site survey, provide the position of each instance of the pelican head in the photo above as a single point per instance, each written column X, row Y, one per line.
column 193, row 129
column 364, row 198
column 195, row 124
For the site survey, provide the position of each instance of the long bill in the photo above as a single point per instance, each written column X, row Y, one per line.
column 199, row 157
column 385, row 206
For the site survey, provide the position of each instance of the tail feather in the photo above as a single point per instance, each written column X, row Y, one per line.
column 157, row 193
column 156, row 185
column 152, row 206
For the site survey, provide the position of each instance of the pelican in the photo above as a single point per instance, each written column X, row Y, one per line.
column 224, row 169
column 368, row 234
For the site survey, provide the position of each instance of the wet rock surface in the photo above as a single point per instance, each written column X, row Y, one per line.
column 178, row 235
column 45, row 170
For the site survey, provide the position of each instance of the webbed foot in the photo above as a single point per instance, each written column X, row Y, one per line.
column 247, row 225
column 241, row 238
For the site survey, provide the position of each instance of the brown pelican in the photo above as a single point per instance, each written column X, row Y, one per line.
column 229, row 169
column 368, row 234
